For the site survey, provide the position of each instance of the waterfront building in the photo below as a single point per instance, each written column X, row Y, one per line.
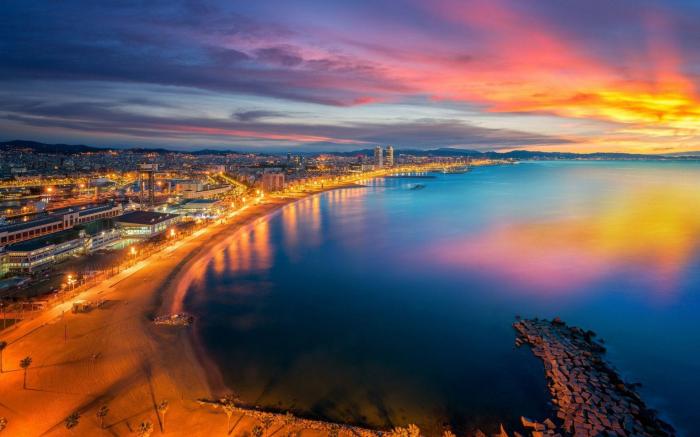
column 145, row 224
column 37, row 254
column 200, row 208
column 195, row 190
column 378, row 158
column 272, row 181
column 102, row 240
column 40, row 253
column 56, row 221
column 389, row 162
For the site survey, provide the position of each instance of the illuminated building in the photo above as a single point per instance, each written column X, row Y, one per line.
column 200, row 208
column 56, row 221
column 378, row 158
column 145, row 224
column 272, row 182
column 389, row 156
column 40, row 253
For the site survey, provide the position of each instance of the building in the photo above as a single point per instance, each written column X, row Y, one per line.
column 200, row 208
column 102, row 240
column 147, row 182
column 41, row 253
column 389, row 162
column 272, row 182
column 85, row 214
column 56, row 221
column 99, row 234
column 196, row 190
column 378, row 158
column 145, row 224
column 22, row 231
column 217, row 168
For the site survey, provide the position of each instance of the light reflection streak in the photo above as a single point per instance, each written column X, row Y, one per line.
column 262, row 245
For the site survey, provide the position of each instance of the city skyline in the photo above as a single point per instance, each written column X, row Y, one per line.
column 479, row 75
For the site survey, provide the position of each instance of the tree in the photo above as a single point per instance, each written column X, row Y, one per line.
column 228, row 403
column 409, row 431
column 162, row 409
column 267, row 422
column 3, row 423
column 72, row 421
column 24, row 363
column 288, row 421
column 145, row 429
column 101, row 414
column 3, row 345
column 334, row 430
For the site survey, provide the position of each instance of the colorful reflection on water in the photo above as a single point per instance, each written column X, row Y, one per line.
column 653, row 228
column 386, row 305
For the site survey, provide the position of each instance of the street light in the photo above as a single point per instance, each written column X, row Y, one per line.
column 71, row 281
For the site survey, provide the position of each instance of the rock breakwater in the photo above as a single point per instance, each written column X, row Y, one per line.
column 589, row 397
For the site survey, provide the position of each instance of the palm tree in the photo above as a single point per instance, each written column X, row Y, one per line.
column 409, row 431
column 334, row 431
column 228, row 403
column 145, row 429
column 3, row 423
column 267, row 422
column 24, row 363
column 101, row 414
column 162, row 409
column 413, row 430
column 72, row 421
column 3, row 345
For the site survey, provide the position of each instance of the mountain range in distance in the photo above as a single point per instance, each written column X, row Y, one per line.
column 70, row 149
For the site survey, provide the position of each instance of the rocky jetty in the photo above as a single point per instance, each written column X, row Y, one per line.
column 589, row 397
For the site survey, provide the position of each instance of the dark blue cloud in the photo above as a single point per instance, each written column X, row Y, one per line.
column 332, row 53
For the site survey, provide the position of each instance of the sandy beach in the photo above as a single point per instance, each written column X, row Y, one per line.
column 116, row 356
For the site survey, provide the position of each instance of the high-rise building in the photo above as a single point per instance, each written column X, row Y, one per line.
column 272, row 182
column 389, row 156
column 378, row 158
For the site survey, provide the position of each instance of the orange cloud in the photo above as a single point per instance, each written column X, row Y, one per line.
column 526, row 65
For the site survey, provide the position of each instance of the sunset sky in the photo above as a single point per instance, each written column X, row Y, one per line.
column 342, row 75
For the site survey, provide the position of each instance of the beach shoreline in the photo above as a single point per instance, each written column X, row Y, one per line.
column 139, row 364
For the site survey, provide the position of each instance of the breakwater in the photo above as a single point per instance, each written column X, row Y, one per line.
column 589, row 397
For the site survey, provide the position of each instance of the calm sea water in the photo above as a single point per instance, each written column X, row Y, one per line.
column 388, row 305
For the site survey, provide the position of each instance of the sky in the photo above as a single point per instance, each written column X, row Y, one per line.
column 278, row 75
